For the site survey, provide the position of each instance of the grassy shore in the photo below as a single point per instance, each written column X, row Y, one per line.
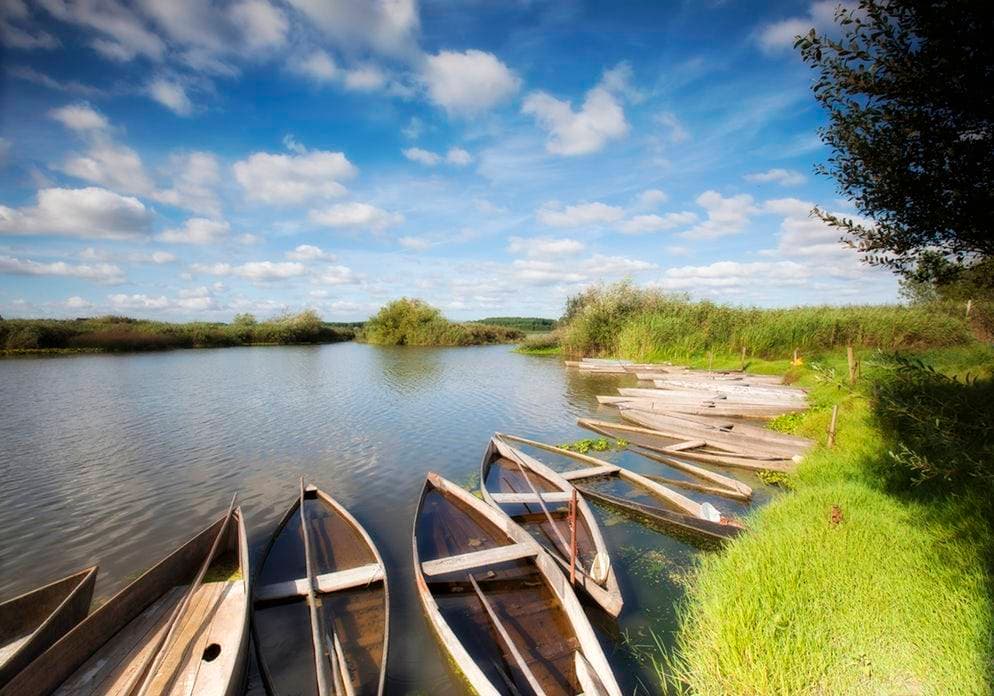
column 413, row 322
column 112, row 333
column 873, row 574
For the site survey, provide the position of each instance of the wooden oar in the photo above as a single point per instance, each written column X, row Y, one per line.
column 320, row 664
column 506, row 639
column 142, row 680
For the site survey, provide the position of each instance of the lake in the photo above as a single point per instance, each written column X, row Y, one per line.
column 116, row 459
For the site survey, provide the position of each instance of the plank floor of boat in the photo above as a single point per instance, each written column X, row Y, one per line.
column 214, row 616
column 505, row 477
column 531, row 613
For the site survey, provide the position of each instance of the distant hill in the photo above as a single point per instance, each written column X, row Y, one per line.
column 532, row 324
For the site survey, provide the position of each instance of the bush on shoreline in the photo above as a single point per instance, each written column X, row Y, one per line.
column 625, row 321
column 413, row 322
column 112, row 333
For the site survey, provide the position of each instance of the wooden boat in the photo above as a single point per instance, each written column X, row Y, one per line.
column 694, row 450
column 696, row 407
column 33, row 621
column 501, row 607
column 755, row 392
column 321, row 604
column 699, row 396
column 538, row 499
column 702, row 380
column 690, row 517
column 180, row 628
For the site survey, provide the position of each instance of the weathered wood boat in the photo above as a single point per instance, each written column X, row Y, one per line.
column 697, row 396
column 759, row 392
column 33, row 621
column 690, row 517
column 501, row 607
column 694, row 450
column 696, row 407
column 180, row 628
column 538, row 499
column 321, row 604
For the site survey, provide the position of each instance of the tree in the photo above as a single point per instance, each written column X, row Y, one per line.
column 909, row 90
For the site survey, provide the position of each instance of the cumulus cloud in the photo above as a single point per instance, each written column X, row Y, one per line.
column 651, row 198
column 262, row 25
column 365, row 78
column 385, row 26
column 309, row 252
column 98, row 273
column 356, row 216
column 784, row 177
column 458, row 157
column 545, row 272
column 285, row 179
column 91, row 212
column 316, row 65
column 538, row 247
column 255, row 271
column 336, row 275
column 469, row 82
column 642, row 224
column 580, row 215
column 729, row 275
column 110, row 164
column 779, row 36
column 196, row 176
column 725, row 215
column 156, row 257
column 426, row 157
column 804, row 235
column 79, row 117
column 171, row 95
column 600, row 119
column 415, row 243
column 675, row 130
column 199, row 231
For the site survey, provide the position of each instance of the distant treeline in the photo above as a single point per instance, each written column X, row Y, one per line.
column 528, row 324
column 113, row 333
column 413, row 322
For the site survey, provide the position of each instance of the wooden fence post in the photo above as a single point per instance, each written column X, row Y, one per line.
column 795, row 356
column 853, row 365
column 831, row 426
column 743, row 357
column 969, row 306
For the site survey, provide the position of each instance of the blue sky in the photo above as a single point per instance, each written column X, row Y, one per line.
column 188, row 159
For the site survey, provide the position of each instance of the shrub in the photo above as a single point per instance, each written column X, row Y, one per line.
column 413, row 322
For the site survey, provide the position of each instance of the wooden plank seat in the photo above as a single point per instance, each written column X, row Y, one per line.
column 531, row 498
column 592, row 472
column 478, row 559
column 327, row 582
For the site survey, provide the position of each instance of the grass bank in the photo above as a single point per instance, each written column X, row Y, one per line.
column 647, row 325
column 112, row 333
column 873, row 573
column 413, row 322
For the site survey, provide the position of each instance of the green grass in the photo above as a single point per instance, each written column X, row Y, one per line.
column 894, row 596
column 112, row 333
column 540, row 344
column 413, row 322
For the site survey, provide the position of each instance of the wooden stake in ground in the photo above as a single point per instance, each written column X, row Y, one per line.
column 853, row 364
column 969, row 306
column 743, row 357
column 795, row 356
column 831, row 426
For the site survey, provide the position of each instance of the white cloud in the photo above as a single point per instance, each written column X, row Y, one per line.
column 91, row 212
column 12, row 11
column 77, row 302
column 255, row 271
column 171, row 95
column 124, row 33
column 195, row 178
column 580, row 215
column 262, row 25
column 309, row 252
column 733, row 274
column 317, row 66
column 79, row 117
column 336, row 275
column 538, row 247
column 99, row 273
column 426, row 157
column 651, row 198
column 356, row 215
column 784, row 177
column 385, row 26
column 284, row 179
column 778, row 36
column 199, row 231
column 641, row 224
column 618, row 80
column 110, row 164
column 365, row 78
column 804, row 235
column 726, row 216
column 458, row 157
column 468, row 83
column 544, row 272
column 599, row 120
column 156, row 257
column 413, row 129
column 138, row 301
column 675, row 130
column 415, row 243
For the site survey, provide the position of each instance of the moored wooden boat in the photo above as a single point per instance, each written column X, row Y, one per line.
column 696, row 407
column 180, row 628
column 538, row 499
column 689, row 514
column 33, row 621
column 501, row 607
column 321, row 603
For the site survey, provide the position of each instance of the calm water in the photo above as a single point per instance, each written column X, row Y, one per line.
column 117, row 459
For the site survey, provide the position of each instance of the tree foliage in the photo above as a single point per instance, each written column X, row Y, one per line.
column 908, row 86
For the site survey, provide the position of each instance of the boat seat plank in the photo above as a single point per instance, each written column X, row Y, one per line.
column 591, row 472
column 324, row 583
column 526, row 498
column 12, row 647
column 477, row 559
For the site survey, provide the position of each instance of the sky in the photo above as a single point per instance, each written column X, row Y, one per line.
column 193, row 160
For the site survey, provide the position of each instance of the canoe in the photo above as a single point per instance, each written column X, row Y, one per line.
column 745, row 391
column 33, row 621
column 691, row 516
column 501, row 607
column 180, row 628
column 538, row 499
column 328, row 587
column 697, row 407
